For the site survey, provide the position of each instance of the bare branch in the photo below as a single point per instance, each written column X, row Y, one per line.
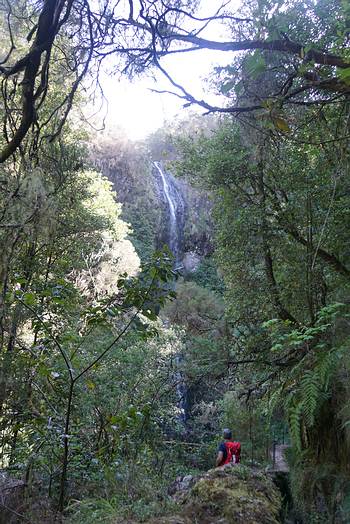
column 45, row 35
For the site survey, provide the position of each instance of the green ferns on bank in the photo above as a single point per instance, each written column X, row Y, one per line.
column 306, row 386
column 314, row 395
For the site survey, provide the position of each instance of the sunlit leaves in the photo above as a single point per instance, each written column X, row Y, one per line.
column 344, row 75
column 255, row 64
column 281, row 124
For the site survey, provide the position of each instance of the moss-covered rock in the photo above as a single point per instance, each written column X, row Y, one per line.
column 229, row 495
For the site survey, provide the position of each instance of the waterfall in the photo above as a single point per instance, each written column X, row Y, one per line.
column 181, row 389
column 175, row 205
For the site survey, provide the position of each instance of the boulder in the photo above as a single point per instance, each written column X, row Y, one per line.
column 191, row 261
column 228, row 495
column 180, row 487
column 11, row 498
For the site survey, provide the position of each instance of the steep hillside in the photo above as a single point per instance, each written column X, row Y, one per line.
column 140, row 188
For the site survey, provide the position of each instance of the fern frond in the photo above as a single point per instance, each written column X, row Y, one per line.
column 295, row 425
column 310, row 395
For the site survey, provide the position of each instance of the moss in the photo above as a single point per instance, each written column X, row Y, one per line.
column 171, row 520
column 228, row 496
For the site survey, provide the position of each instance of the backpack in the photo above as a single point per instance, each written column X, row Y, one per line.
column 232, row 452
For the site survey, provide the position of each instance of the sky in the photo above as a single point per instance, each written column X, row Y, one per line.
column 133, row 107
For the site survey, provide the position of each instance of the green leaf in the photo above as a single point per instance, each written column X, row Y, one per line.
column 43, row 370
column 281, row 124
column 29, row 299
column 344, row 75
column 255, row 64
column 227, row 87
column 238, row 88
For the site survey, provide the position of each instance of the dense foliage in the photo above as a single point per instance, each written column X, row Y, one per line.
column 116, row 375
column 282, row 225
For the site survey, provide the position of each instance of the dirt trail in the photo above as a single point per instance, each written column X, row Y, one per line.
column 280, row 463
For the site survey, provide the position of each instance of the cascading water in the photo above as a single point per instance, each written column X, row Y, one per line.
column 175, row 223
column 181, row 389
column 175, row 206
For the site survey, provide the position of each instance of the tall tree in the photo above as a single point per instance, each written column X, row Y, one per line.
column 310, row 66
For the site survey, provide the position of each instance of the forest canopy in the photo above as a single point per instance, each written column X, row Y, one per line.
column 121, row 359
column 63, row 42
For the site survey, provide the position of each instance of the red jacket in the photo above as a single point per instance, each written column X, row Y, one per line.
column 231, row 452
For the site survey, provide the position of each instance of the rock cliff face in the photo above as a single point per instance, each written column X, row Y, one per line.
column 175, row 212
column 160, row 209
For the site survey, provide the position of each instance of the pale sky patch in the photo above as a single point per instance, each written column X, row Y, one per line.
column 133, row 107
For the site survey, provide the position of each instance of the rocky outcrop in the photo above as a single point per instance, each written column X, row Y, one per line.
column 139, row 186
column 191, row 261
column 172, row 196
column 228, row 495
column 11, row 498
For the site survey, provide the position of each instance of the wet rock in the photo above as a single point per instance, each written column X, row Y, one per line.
column 180, row 487
column 191, row 261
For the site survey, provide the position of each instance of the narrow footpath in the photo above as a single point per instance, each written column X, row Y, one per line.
column 278, row 458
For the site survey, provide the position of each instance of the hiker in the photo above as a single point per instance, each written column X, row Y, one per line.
column 229, row 452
